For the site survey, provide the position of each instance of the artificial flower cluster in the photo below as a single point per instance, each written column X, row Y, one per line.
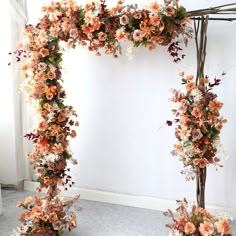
column 198, row 122
column 44, row 216
column 96, row 27
column 196, row 221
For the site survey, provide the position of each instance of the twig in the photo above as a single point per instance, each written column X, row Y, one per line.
column 214, row 18
column 196, row 29
column 214, row 10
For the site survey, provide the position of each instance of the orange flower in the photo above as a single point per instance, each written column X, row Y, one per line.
column 31, row 156
column 178, row 148
column 58, row 148
column 196, row 112
column 44, row 217
column 154, row 6
column 204, row 80
column 190, row 86
column 189, row 77
column 206, row 229
column 121, row 35
column 40, row 76
column 137, row 15
column 46, row 180
column 44, row 52
column 223, row 227
column 48, row 107
column 201, row 162
column 184, row 132
column 28, row 200
column 189, row 228
column 205, row 213
column 62, row 115
column 215, row 105
column 50, row 91
column 52, row 217
column 181, row 73
column 42, row 125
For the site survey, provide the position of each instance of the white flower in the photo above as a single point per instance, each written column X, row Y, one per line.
column 51, row 157
column 197, row 94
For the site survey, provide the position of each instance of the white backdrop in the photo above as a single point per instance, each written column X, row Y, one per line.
column 13, row 120
column 122, row 104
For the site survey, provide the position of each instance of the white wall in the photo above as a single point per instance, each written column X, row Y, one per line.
column 121, row 106
column 7, row 133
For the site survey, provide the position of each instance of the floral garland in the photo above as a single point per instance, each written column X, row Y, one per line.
column 199, row 124
column 96, row 27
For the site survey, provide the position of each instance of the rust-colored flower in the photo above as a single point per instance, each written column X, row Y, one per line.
column 44, row 52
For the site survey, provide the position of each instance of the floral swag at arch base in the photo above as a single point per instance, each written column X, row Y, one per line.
column 100, row 29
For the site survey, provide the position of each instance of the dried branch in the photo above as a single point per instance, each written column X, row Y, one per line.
column 214, row 18
column 221, row 10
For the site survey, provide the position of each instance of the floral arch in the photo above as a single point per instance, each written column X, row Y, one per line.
column 101, row 30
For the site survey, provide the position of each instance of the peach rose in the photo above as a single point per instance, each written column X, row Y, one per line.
column 189, row 77
column 190, row 86
column 223, row 227
column 154, row 6
column 52, row 217
column 121, row 35
column 189, row 228
column 28, row 200
column 206, row 229
column 44, row 52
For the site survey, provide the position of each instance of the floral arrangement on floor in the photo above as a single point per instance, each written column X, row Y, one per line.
column 46, row 216
column 95, row 27
column 199, row 123
column 196, row 221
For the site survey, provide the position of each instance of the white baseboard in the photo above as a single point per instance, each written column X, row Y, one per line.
column 127, row 200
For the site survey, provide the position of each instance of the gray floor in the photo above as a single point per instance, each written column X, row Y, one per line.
column 94, row 218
